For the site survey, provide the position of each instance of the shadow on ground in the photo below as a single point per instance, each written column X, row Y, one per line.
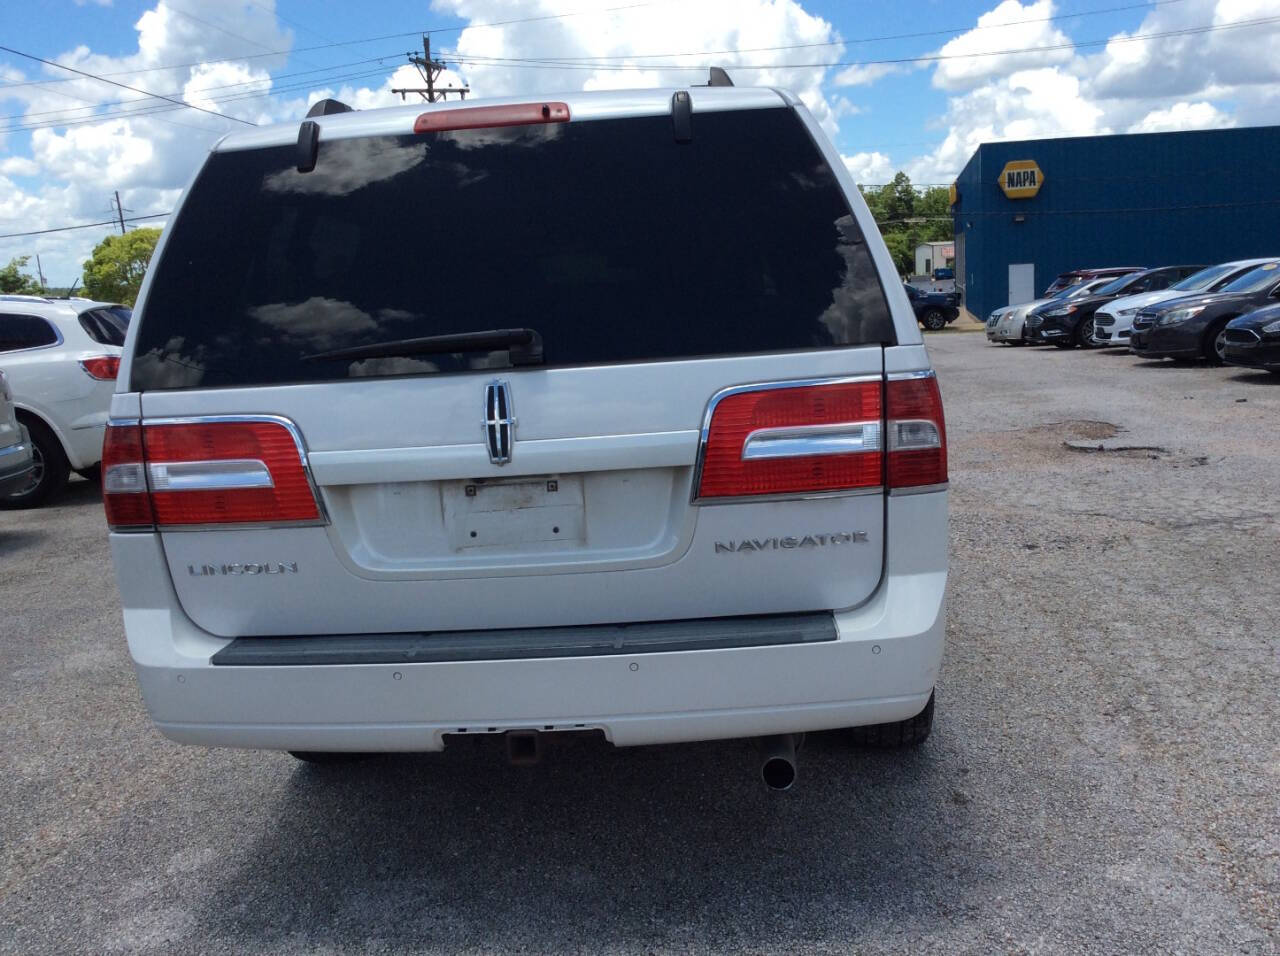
column 661, row 845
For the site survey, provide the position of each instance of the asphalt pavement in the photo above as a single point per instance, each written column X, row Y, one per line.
column 1104, row 774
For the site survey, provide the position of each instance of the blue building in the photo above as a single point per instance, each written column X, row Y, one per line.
column 1026, row 211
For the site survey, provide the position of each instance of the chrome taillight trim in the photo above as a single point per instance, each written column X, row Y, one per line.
column 215, row 475
column 841, row 438
column 724, row 393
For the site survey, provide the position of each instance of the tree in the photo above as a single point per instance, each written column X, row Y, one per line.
column 119, row 262
column 13, row 281
column 908, row 216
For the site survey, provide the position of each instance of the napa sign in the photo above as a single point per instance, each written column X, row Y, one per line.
column 1021, row 179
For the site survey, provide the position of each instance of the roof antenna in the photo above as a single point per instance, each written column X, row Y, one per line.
column 329, row 107
column 719, row 78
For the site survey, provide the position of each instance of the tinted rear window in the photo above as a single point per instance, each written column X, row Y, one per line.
column 106, row 326
column 610, row 239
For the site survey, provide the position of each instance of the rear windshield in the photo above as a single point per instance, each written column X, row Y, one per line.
column 611, row 240
column 106, row 326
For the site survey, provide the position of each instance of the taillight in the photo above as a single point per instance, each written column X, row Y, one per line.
column 488, row 117
column 917, row 432
column 174, row 474
column 104, row 368
column 124, row 480
column 793, row 439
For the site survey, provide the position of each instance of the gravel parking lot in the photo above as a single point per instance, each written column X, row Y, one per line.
column 1103, row 776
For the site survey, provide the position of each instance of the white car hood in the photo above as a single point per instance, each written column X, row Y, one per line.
column 1138, row 301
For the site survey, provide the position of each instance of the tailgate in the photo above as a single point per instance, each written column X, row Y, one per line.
column 591, row 521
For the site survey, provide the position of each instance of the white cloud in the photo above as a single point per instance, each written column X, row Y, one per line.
column 1188, row 81
column 865, row 74
column 1010, row 26
column 1183, row 116
column 19, row 166
column 869, row 168
column 631, row 37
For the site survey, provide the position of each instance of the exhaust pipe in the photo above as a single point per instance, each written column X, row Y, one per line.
column 778, row 760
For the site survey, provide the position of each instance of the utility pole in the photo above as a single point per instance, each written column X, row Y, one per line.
column 40, row 272
column 430, row 71
column 120, row 211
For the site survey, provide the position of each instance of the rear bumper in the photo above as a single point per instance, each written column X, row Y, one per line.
column 881, row 667
column 15, row 464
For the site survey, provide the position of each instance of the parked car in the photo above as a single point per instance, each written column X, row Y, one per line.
column 1113, row 321
column 1070, row 324
column 933, row 309
column 1194, row 326
column 944, row 275
column 1076, row 276
column 61, row 359
column 1008, row 324
column 354, row 509
column 16, row 460
column 1253, row 340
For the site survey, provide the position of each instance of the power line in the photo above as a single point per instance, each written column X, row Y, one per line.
column 203, row 89
column 340, row 43
column 570, row 64
column 123, row 86
column 541, row 63
column 85, row 225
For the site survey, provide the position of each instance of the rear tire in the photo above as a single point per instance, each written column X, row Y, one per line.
column 934, row 320
column 50, row 474
column 901, row 733
column 328, row 757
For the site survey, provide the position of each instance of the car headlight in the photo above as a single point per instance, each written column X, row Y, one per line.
column 1129, row 311
column 1056, row 313
column 1271, row 328
column 1178, row 316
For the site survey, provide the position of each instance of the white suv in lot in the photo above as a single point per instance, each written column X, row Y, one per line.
column 61, row 357
column 655, row 451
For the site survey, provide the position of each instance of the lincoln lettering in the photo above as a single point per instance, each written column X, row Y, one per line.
column 790, row 543
column 269, row 567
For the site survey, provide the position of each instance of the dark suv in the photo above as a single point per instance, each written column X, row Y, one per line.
column 1076, row 276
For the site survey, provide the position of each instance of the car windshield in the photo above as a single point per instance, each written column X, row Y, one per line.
column 1255, row 279
column 1084, row 288
column 1203, row 279
column 1114, row 286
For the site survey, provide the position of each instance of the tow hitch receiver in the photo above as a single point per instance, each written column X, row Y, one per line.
column 524, row 747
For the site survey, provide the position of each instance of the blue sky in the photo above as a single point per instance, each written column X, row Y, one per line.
column 1007, row 70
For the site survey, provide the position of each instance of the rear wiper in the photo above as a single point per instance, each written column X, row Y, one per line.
column 524, row 346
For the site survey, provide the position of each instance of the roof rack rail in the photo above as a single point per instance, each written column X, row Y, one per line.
column 328, row 108
column 719, row 78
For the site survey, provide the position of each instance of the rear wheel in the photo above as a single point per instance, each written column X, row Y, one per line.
column 50, row 472
column 901, row 733
column 934, row 320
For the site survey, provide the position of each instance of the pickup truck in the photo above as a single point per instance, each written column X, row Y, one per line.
column 933, row 309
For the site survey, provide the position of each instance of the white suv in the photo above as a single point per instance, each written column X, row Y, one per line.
column 654, row 449
column 61, row 358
